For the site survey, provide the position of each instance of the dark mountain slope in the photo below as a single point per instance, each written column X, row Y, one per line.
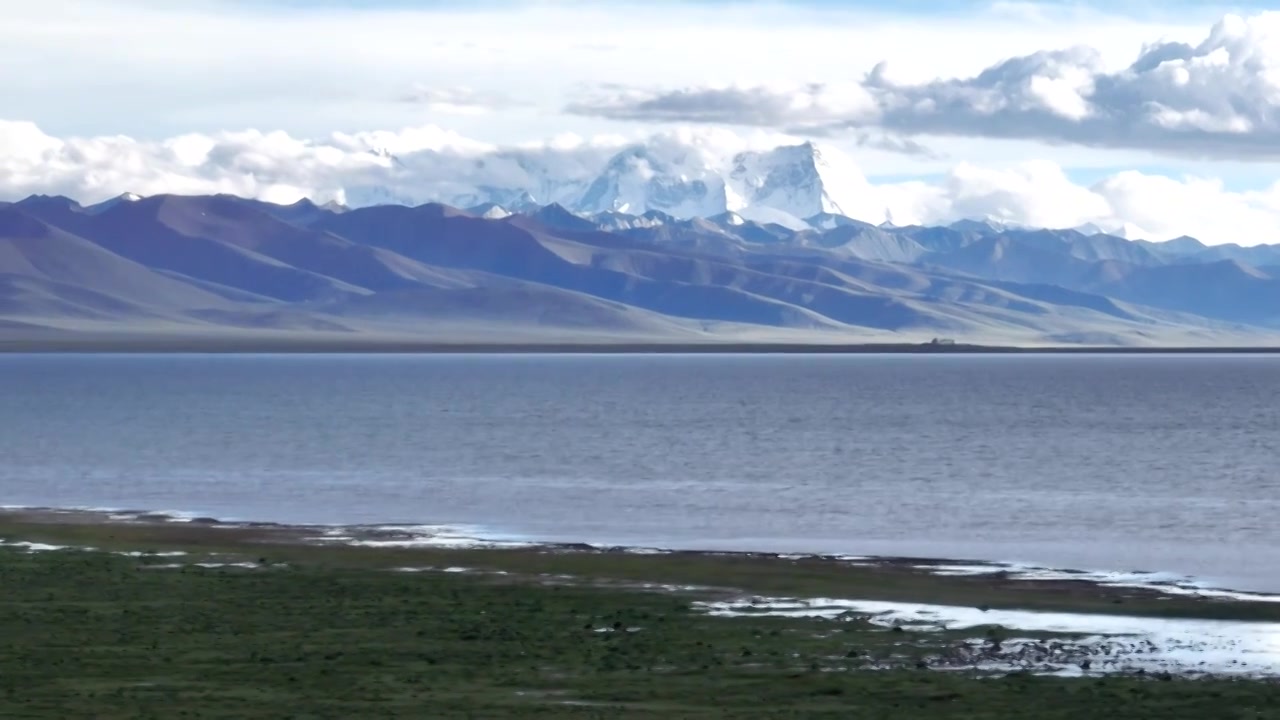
column 54, row 258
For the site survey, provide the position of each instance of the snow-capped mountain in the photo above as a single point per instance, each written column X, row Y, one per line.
column 489, row 211
column 516, row 180
column 730, row 218
column 672, row 179
column 614, row 221
column 105, row 205
column 790, row 183
column 675, row 177
column 783, row 185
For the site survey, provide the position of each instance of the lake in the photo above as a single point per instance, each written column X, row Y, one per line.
column 1166, row 463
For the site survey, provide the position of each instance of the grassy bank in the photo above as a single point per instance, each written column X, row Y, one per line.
column 90, row 634
column 330, row 632
column 889, row 579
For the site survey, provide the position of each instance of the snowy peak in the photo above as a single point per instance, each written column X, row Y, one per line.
column 105, row 205
column 615, row 221
column 489, row 211
column 678, row 175
column 510, row 200
column 983, row 226
column 794, row 182
column 729, row 218
column 673, row 179
column 681, row 176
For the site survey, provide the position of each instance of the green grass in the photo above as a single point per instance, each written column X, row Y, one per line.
column 759, row 574
column 93, row 635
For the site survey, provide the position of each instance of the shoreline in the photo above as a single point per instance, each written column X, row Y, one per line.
column 234, row 626
column 464, row 536
column 910, row 578
column 841, row 618
column 321, row 346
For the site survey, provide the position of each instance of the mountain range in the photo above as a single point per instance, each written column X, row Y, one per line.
column 782, row 185
column 227, row 266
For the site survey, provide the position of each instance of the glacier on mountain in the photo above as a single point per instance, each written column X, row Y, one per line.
column 665, row 174
column 641, row 178
column 793, row 182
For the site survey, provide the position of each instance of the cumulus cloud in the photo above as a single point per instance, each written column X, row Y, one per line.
column 815, row 109
column 144, row 65
column 813, row 104
column 1163, row 207
column 413, row 164
column 429, row 163
column 1131, row 203
column 1219, row 98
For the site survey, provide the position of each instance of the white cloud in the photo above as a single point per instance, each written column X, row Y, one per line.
column 136, row 94
column 1167, row 207
column 408, row 140
column 815, row 104
column 1219, row 98
column 1036, row 193
column 151, row 69
column 431, row 163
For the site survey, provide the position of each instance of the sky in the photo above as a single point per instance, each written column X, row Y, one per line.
column 1160, row 118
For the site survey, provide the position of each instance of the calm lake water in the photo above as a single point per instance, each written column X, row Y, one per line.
column 1095, row 462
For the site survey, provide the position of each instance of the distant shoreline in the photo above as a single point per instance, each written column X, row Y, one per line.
column 379, row 347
